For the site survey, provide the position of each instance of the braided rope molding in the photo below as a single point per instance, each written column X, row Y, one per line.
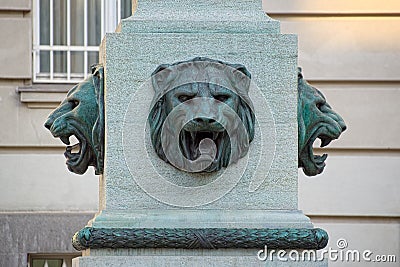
column 200, row 238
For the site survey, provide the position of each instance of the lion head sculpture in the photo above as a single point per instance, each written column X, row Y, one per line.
column 316, row 119
column 81, row 114
column 202, row 90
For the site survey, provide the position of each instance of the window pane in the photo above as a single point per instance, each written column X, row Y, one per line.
column 77, row 17
column 44, row 6
column 126, row 8
column 94, row 22
column 55, row 263
column 38, row 263
column 50, row 262
column 60, row 22
column 60, row 62
column 93, row 58
column 53, row 260
column 77, row 63
column 44, row 61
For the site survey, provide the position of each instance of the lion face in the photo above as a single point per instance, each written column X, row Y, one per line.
column 207, row 120
column 201, row 128
column 316, row 119
column 81, row 115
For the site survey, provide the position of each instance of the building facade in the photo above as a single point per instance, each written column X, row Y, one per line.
column 349, row 50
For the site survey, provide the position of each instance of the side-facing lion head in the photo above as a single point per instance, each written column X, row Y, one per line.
column 81, row 114
column 202, row 89
column 316, row 119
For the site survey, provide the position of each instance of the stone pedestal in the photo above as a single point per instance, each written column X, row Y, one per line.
column 186, row 258
column 140, row 192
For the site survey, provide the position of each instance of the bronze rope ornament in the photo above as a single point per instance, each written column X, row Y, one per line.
column 200, row 238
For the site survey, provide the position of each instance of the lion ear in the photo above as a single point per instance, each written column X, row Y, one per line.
column 242, row 77
column 97, row 76
column 242, row 81
column 299, row 73
column 159, row 77
column 242, row 69
column 160, row 68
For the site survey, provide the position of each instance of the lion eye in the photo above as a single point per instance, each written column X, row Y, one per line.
column 221, row 98
column 319, row 105
column 74, row 102
column 183, row 98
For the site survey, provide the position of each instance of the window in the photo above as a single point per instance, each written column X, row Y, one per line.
column 51, row 260
column 67, row 34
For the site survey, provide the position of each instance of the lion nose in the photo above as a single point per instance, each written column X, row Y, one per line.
column 343, row 126
column 48, row 123
column 204, row 120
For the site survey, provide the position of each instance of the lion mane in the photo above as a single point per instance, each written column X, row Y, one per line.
column 238, row 78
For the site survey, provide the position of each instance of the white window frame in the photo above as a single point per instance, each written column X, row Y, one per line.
column 65, row 257
column 110, row 17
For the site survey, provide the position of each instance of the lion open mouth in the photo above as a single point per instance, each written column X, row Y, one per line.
column 76, row 154
column 325, row 136
column 190, row 145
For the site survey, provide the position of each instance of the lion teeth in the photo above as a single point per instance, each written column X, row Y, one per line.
column 193, row 135
column 325, row 142
column 73, row 150
column 76, row 149
column 320, row 159
column 65, row 140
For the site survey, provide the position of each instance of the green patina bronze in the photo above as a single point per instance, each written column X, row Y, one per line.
column 200, row 238
column 81, row 114
column 196, row 80
column 316, row 119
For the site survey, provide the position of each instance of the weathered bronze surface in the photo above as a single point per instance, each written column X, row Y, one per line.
column 82, row 114
column 200, row 238
column 316, row 119
column 227, row 86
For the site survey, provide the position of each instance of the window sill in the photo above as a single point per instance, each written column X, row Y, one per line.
column 43, row 96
